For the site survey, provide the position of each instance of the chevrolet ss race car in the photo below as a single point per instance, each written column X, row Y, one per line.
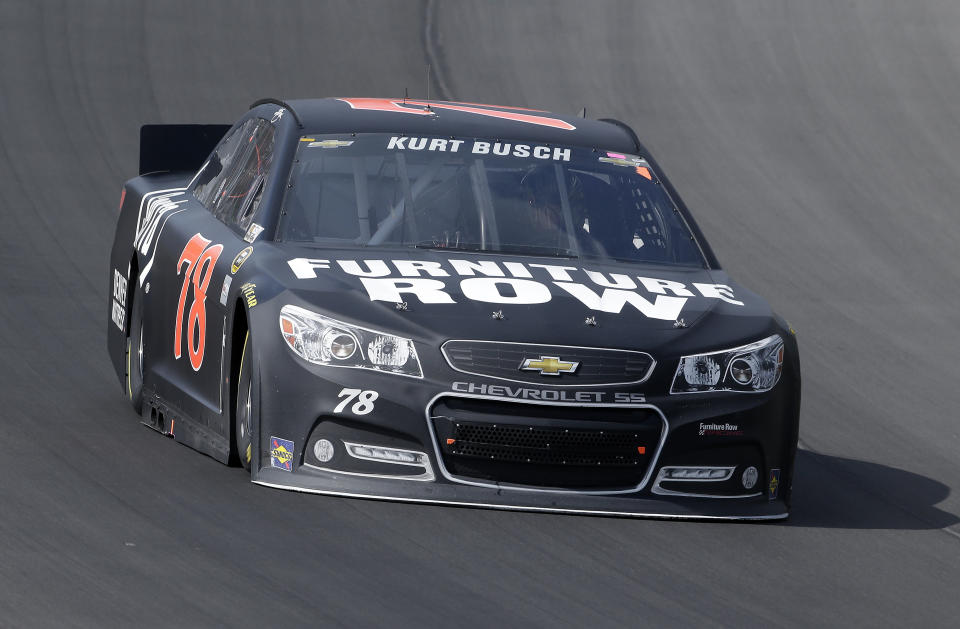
column 446, row 303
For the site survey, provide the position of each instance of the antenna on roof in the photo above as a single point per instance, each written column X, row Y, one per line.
column 404, row 96
column 428, row 88
column 583, row 113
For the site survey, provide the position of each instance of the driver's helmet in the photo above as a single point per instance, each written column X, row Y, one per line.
column 542, row 193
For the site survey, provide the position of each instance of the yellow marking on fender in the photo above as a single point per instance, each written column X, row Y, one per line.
column 129, row 389
column 243, row 355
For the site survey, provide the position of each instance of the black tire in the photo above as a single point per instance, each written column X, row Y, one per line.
column 242, row 439
column 135, row 353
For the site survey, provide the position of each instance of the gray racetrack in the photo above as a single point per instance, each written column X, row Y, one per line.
column 816, row 141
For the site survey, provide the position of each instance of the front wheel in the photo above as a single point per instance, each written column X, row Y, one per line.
column 241, row 433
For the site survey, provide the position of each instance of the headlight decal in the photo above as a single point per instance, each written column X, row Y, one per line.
column 321, row 340
column 753, row 368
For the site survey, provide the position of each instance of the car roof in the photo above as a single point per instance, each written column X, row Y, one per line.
column 447, row 118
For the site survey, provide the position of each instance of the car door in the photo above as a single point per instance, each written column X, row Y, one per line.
column 190, row 305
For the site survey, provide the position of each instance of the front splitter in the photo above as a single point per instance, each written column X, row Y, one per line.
column 521, row 500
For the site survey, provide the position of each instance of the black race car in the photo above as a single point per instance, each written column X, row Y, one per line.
column 449, row 303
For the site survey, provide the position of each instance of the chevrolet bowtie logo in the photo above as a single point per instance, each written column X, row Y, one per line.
column 548, row 365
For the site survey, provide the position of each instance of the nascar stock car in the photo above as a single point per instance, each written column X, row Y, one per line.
column 448, row 303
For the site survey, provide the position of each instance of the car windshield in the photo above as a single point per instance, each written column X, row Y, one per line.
column 468, row 194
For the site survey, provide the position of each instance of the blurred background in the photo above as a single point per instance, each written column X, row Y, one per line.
column 815, row 142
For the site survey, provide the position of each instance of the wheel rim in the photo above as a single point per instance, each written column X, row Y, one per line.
column 243, row 427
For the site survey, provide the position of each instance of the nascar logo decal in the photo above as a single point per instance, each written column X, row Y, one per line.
column 548, row 365
column 240, row 259
column 423, row 108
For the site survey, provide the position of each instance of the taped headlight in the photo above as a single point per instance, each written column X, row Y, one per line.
column 753, row 368
column 325, row 341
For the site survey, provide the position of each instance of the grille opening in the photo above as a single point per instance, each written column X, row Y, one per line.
column 546, row 446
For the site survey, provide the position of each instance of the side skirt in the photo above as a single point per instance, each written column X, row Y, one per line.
column 168, row 420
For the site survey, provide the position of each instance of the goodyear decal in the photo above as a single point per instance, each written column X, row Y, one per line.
column 248, row 290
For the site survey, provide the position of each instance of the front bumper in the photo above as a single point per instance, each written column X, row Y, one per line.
column 470, row 496
column 725, row 430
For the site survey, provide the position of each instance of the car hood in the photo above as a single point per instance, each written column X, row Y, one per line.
column 434, row 296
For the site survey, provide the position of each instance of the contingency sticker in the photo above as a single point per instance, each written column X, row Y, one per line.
column 227, row 280
column 774, row 487
column 326, row 144
column 119, row 308
column 637, row 163
column 252, row 233
column 281, row 454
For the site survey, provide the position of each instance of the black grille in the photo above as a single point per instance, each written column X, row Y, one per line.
column 503, row 360
column 554, row 446
column 546, row 446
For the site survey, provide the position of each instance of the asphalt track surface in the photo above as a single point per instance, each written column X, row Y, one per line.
column 817, row 143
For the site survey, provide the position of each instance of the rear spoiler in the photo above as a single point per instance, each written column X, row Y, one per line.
column 177, row 147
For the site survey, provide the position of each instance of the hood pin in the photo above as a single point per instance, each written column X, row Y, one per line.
column 590, row 321
column 679, row 323
column 401, row 305
column 498, row 314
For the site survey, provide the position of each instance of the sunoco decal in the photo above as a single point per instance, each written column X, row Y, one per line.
column 773, row 488
column 281, row 454
column 516, row 283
